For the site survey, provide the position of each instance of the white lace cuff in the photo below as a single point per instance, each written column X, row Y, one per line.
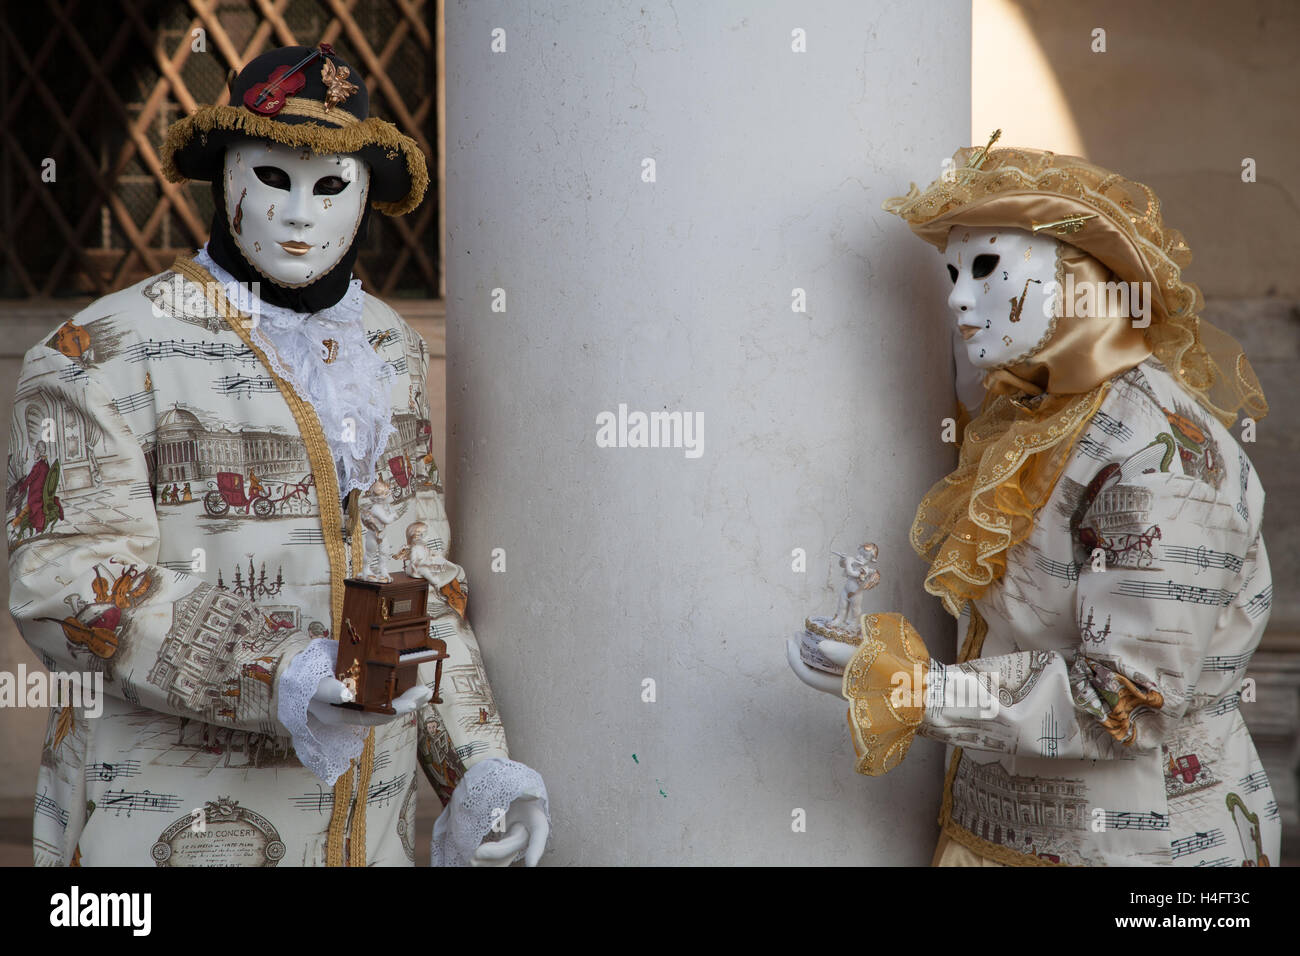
column 326, row 750
column 483, row 794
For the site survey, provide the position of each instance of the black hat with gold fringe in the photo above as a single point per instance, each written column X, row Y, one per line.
column 300, row 96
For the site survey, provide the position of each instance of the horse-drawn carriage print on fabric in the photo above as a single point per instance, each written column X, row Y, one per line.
column 401, row 484
column 261, row 501
column 231, row 472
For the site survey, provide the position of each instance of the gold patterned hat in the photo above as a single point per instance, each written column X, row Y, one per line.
column 308, row 97
column 1116, row 221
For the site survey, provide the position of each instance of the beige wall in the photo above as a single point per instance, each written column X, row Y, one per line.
column 1185, row 90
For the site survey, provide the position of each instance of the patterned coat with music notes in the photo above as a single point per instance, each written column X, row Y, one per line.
column 174, row 523
column 1100, row 721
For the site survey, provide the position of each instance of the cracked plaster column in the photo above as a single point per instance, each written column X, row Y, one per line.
column 820, row 428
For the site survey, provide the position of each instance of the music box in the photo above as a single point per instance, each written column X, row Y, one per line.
column 384, row 639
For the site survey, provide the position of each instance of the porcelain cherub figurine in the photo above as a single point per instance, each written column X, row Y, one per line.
column 421, row 561
column 860, row 575
column 376, row 514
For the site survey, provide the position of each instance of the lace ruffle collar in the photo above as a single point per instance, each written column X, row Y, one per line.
column 328, row 360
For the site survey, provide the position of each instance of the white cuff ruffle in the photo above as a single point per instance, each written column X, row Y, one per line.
column 324, row 749
column 484, row 793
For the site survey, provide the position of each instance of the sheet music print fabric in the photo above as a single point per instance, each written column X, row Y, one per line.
column 1118, row 737
column 139, row 436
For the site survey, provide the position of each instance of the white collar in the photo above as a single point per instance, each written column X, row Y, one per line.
column 352, row 397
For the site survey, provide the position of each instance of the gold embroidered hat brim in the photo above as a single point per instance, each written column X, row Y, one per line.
column 1102, row 237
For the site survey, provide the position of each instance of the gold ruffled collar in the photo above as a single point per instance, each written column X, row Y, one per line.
column 1014, row 452
column 1011, row 458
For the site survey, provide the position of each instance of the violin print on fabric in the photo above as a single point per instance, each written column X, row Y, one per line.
column 165, row 528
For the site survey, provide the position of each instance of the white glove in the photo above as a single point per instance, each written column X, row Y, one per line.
column 331, row 691
column 836, row 652
column 526, row 826
column 496, row 796
column 327, row 738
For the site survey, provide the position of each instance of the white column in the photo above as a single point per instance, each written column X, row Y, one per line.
column 821, row 429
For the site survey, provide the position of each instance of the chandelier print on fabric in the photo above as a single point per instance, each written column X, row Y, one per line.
column 169, row 488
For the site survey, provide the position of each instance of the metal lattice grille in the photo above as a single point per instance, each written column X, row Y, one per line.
column 92, row 86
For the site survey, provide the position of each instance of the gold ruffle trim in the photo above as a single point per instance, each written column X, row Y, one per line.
column 318, row 138
column 884, row 685
column 1011, row 458
column 1205, row 360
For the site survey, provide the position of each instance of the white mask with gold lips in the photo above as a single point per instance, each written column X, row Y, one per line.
column 1003, row 292
column 293, row 213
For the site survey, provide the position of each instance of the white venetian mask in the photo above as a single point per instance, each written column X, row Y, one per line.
column 293, row 213
column 1004, row 291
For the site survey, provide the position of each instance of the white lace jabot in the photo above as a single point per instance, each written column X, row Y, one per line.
column 350, row 393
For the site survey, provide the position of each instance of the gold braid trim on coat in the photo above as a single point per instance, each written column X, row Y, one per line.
column 331, row 517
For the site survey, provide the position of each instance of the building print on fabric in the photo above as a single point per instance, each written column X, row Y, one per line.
column 188, row 451
column 203, row 673
column 1041, row 817
column 1103, row 535
column 194, row 676
column 183, row 513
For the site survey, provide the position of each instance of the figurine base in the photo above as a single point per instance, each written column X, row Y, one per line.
column 818, row 629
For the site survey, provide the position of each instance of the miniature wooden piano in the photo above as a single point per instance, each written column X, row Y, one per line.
column 384, row 639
